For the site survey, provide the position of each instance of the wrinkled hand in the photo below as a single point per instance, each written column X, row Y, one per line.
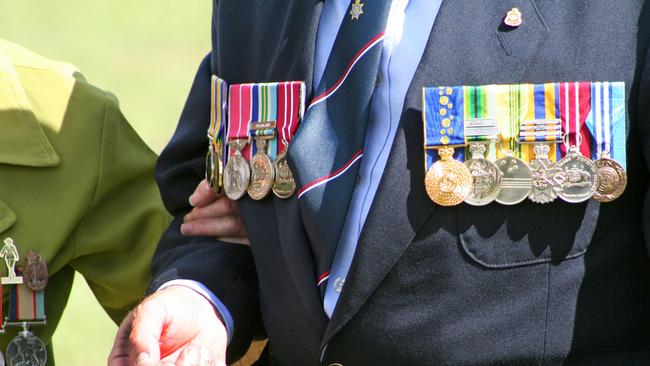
column 174, row 326
column 214, row 215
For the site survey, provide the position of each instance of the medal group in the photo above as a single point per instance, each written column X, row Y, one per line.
column 250, row 128
column 26, row 305
column 509, row 143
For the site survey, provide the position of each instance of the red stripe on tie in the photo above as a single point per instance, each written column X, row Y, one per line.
column 323, row 278
column 356, row 58
column 330, row 176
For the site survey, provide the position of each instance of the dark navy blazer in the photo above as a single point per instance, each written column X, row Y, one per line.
column 528, row 284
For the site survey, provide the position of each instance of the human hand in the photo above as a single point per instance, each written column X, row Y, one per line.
column 214, row 215
column 174, row 326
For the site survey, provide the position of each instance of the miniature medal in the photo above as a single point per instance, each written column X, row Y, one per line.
column 35, row 271
column 547, row 177
column 284, row 185
column 448, row 182
column 612, row 179
column 236, row 175
column 26, row 350
column 486, row 177
column 581, row 177
column 516, row 182
column 10, row 254
column 262, row 171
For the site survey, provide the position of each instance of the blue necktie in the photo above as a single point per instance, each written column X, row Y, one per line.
column 326, row 151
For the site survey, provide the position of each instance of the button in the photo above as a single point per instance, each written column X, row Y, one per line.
column 338, row 284
column 513, row 18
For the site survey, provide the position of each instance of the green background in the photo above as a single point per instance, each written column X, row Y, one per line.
column 146, row 52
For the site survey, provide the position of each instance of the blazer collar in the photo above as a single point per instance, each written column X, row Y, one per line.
column 22, row 141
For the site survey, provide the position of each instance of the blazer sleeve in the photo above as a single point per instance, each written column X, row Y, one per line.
column 225, row 269
column 641, row 130
column 116, row 236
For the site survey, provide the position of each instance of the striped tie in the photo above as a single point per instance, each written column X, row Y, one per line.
column 325, row 154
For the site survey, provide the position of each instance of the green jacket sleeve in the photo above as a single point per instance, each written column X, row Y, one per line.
column 115, row 239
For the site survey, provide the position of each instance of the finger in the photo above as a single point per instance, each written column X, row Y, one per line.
column 189, row 357
column 228, row 226
column 145, row 333
column 119, row 355
column 221, row 206
column 234, row 240
column 202, row 195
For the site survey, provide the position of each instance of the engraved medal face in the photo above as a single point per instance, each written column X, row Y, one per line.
column 581, row 177
column 486, row 177
column 547, row 177
column 284, row 184
column 262, row 173
column 35, row 271
column 448, row 182
column 612, row 180
column 236, row 175
column 26, row 350
column 516, row 182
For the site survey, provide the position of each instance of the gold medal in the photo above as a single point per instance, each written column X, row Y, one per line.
column 262, row 172
column 612, row 179
column 214, row 168
column 284, row 184
column 448, row 182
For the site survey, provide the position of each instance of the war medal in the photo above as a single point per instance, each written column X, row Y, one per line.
column 516, row 182
column 448, row 182
column 27, row 308
column 581, row 176
column 293, row 108
column 262, row 171
column 237, row 174
column 214, row 162
column 607, row 129
column 547, row 177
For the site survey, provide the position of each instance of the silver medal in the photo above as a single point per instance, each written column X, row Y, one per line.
column 237, row 174
column 486, row 177
column 581, row 177
column 26, row 350
column 547, row 177
column 516, row 180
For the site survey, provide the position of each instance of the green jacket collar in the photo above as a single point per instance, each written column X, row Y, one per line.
column 22, row 139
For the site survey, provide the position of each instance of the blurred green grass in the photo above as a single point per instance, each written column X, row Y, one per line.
column 146, row 52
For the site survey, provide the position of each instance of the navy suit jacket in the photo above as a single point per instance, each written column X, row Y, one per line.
column 528, row 284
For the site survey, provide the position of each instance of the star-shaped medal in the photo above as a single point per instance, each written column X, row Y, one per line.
column 357, row 10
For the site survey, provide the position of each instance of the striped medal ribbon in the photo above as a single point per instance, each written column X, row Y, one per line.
column 291, row 107
column 237, row 173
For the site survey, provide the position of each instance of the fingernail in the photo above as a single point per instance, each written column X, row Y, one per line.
column 142, row 358
column 185, row 228
column 190, row 200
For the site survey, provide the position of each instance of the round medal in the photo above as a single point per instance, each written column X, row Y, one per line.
column 581, row 177
column 547, row 177
column 214, row 169
column 448, row 182
column 612, row 180
column 486, row 177
column 26, row 350
column 2, row 360
column 284, row 184
column 516, row 182
column 236, row 175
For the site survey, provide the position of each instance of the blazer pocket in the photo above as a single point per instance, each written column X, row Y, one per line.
column 497, row 236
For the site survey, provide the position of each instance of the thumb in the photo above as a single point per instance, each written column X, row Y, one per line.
column 147, row 327
column 119, row 355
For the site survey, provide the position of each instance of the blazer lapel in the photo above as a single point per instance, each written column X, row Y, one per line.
column 456, row 54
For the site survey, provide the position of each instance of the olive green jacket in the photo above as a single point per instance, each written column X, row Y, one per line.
column 76, row 185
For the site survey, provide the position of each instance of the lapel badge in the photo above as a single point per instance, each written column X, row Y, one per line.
column 10, row 254
column 356, row 10
column 513, row 18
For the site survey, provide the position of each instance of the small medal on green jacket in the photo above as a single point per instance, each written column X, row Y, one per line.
column 10, row 254
column 26, row 349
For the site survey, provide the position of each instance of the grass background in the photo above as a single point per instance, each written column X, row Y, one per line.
column 146, row 52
